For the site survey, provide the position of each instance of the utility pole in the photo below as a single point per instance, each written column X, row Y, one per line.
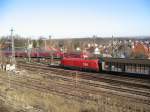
column 29, row 50
column 94, row 37
column 13, row 48
column 51, row 51
column 45, row 44
column 112, row 46
column 37, row 50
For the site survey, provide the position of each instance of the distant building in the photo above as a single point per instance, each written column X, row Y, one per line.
column 141, row 50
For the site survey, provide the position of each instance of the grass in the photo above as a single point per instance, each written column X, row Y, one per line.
column 30, row 100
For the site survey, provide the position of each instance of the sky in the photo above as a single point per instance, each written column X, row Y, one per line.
column 75, row 18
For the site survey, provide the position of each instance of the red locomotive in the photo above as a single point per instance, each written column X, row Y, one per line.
column 80, row 64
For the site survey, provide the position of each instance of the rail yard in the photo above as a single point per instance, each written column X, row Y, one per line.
column 74, row 56
column 55, row 80
column 90, row 92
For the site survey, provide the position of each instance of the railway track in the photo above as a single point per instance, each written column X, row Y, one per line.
column 114, row 80
column 81, row 90
column 113, row 87
column 34, row 85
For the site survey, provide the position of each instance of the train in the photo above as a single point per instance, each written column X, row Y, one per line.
column 85, row 62
column 42, row 53
column 120, row 66
column 34, row 53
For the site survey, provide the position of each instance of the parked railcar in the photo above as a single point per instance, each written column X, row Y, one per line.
column 80, row 64
column 77, row 55
column 20, row 53
column 34, row 53
column 128, row 66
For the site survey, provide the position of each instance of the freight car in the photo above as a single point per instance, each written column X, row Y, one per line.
column 138, row 67
column 34, row 53
column 126, row 66
column 77, row 54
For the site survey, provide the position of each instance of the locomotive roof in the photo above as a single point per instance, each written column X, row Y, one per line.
column 128, row 61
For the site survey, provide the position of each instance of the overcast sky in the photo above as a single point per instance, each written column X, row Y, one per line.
column 75, row 18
